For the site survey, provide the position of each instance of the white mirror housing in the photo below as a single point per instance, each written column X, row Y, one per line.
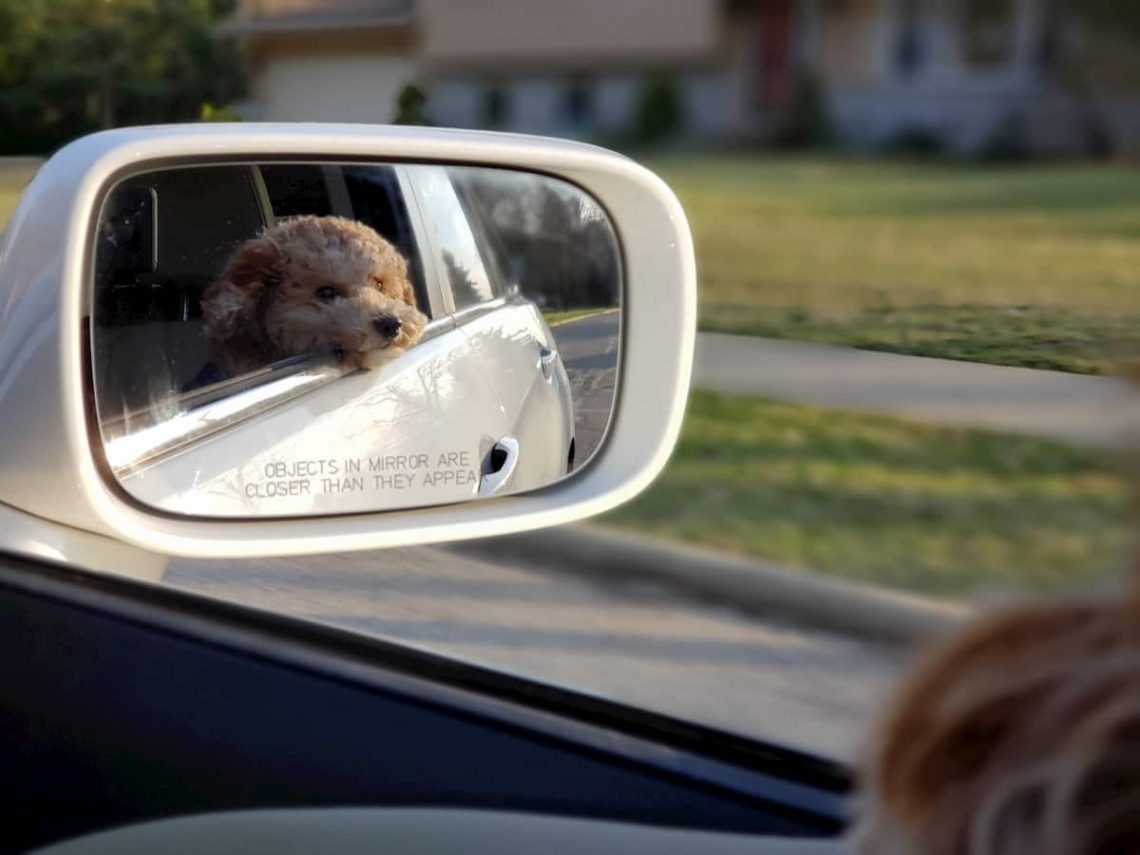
column 58, row 499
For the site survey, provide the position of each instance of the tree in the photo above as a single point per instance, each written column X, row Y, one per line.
column 806, row 122
column 659, row 113
column 411, row 106
column 1121, row 14
column 1100, row 65
column 69, row 67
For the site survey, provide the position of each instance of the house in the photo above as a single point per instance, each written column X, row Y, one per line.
column 966, row 74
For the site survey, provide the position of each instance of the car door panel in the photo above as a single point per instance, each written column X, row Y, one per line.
column 121, row 702
column 370, row 440
column 523, row 366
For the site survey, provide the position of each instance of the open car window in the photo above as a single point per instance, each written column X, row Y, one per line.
column 155, row 256
column 162, row 240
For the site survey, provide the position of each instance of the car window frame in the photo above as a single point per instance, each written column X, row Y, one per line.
column 437, row 274
column 488, row 241
column 442, row 307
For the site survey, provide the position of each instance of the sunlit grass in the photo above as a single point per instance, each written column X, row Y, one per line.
column 15, row 174
column 937, row 510
column 1035, row 266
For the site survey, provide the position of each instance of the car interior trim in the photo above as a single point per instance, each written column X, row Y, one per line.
column 790, row 789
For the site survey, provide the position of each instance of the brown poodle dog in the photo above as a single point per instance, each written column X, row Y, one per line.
column 312, row 285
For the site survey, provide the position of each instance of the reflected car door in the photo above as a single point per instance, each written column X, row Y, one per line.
column 397, row 441
column 508, row 335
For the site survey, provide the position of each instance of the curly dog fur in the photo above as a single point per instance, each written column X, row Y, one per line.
column 312, row 285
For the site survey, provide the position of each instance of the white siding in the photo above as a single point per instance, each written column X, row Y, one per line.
column 359, row 87
column 536, row 104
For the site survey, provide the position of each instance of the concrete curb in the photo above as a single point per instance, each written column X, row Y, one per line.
column 844, row 607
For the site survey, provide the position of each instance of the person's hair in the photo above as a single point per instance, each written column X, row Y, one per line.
column 1021, row 735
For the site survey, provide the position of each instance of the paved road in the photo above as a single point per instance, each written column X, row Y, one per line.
column 589, row 349
column 1096, row 411
column 638, row 645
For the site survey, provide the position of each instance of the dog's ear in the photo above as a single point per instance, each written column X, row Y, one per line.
column 255, row 265
column 231, row 303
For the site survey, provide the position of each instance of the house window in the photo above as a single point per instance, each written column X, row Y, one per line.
column 987, row 32
column 496, row 108
column 908, row 46
column 578, row 102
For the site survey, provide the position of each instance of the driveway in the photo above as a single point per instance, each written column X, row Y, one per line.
column 1071, row 408
column 589, row 348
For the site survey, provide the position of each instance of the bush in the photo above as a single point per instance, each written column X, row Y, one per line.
column 659, row 114
column 213, row 113
column 1008, row 142
column 411, row 106
column 807, row 122
column 917, row 141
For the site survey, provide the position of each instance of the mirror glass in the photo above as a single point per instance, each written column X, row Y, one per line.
column 295, row 339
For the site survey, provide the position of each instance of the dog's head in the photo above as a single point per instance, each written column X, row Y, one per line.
column 312, row 285
column 1022, row 735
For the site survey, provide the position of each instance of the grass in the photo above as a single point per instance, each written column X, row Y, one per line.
column 935, row 510
column 555, row 318
column 14, row 177
column 1036, row 266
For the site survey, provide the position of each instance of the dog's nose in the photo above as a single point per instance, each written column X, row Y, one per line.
column 386, row 325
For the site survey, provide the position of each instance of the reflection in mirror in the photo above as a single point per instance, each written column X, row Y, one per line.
column 292, row 339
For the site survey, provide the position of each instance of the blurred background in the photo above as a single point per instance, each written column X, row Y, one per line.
column 918, row 240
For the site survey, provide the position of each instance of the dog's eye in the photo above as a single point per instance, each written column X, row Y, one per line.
column 326, row 294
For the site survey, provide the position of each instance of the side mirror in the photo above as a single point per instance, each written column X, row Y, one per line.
column 254, row 340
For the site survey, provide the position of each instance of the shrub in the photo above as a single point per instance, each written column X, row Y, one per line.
column 411, row 106
column 213, row 113
column 918, row 141
column 807, row 121
column 659, row 114
column 1008, row 142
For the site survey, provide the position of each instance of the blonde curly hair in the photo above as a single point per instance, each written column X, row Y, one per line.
column 1022, row 735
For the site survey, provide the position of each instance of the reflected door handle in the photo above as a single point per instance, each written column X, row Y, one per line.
column 547, row 356
column 499, row 465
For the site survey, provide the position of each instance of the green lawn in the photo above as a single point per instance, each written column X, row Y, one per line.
column 14, row 176
column 1036, row 266
column 935, row 510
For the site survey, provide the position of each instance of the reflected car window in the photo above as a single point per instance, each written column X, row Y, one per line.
column 459, row 252
column 156, row 256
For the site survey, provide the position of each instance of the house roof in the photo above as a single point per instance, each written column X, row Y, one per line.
column 553, row 33
column 264, row 17
column 473, row 34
